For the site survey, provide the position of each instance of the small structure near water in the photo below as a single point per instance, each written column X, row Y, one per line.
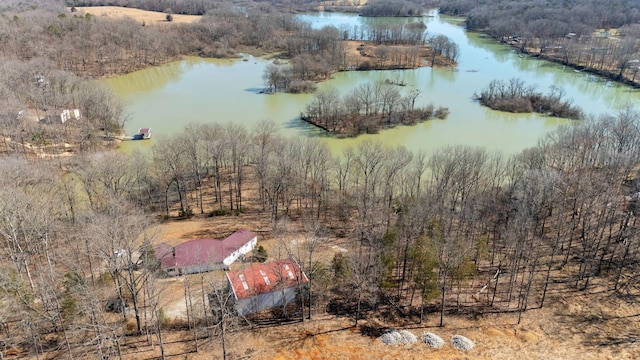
column 143, row 134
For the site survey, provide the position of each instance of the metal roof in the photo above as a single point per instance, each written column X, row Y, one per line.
column 201, row 251
column 264, row 278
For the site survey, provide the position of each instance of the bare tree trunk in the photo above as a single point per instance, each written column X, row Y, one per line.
column 134, row 298
column 204, row 304
column 159, row 330
column 546, row 280
column 193, row 319
column 239, row 188
column 166, row 199
column 117, row 341
column 187, row 304
column 310, row 289
column 35, row 341
column 523, row 307
column 358, row 307
column 223, row 339
column 218, row 186
column 495, row 289
column 442, row 301
column 230, row 178
column 422, row 307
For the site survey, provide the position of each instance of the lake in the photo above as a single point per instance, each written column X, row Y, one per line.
column 167, row 97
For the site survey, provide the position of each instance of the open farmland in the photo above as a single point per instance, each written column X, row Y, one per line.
column 141, row 16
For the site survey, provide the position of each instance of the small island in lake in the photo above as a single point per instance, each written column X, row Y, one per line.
column 368, row 109
column 380, row 47
column 514, row 96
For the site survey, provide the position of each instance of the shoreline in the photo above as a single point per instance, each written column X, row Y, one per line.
column 354, row 125
column 579, row 68
column 605, row 74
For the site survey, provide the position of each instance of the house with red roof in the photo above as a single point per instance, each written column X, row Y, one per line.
column 201, row 255
column 267, row 285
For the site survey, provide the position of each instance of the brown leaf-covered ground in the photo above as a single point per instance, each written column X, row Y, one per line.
column 567, row 331
column 594, row 325
column 572, row 325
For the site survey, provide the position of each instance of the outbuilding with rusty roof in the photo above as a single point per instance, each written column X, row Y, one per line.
column 265, row 286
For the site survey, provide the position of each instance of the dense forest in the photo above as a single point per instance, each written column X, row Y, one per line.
column 599, row 36
column 391, row 8
column 200, row 7
column 460, row 230
column 550, row 16
column 47, row 51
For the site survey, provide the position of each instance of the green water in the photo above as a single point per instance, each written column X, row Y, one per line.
column 167, row 97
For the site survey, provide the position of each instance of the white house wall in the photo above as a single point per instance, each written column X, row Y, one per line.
column 65, row 116
column 194, row 269
column 242, row 251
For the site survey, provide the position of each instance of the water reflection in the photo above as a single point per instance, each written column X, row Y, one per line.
column 148, row 79
column 211, row 90
column 444, row 74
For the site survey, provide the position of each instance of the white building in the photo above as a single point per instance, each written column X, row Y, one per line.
column 201, row 255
